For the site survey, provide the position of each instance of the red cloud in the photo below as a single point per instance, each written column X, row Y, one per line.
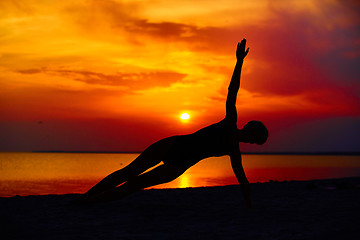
column 132, row 81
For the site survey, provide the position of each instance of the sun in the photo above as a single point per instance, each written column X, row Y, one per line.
column 184, row 116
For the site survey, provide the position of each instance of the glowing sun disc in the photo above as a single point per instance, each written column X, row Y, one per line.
column 185, row 116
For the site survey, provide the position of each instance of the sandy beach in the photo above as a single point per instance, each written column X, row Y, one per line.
column 318, row 209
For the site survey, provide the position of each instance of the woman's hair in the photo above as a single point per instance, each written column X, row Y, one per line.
column 258, row 131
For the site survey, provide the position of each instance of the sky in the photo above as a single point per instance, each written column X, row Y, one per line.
column 117, row 75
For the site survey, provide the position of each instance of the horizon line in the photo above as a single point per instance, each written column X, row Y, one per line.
column 134, row 152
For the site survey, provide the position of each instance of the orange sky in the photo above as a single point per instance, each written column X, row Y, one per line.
column 116, row 75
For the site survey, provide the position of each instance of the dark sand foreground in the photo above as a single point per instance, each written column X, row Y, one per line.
column 321, row 209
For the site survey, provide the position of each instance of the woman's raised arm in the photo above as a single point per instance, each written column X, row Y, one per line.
column 231, row 113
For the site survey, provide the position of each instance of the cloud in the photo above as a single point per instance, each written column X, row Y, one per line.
column 163, row 30
column 131, row 81
column 115, row 20
column 30, row 71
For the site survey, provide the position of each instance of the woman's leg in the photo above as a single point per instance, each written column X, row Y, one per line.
column 161, row 174
column 139, row 165
column 148, row 159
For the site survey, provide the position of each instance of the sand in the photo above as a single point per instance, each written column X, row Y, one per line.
column 319, row 209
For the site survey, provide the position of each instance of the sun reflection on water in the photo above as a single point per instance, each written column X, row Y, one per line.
column 61, row 173
column 184, row 181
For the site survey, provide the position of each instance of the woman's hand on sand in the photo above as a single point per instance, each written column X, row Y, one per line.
column 240, row 51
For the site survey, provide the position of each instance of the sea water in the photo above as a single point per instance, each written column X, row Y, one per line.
column 62, row 173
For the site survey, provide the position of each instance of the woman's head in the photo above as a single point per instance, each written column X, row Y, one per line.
column 254, row 132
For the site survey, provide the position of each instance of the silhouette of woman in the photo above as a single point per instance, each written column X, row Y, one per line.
column 180, row 152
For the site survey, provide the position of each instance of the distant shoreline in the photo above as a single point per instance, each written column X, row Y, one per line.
column 248, row 153
column 339, row 183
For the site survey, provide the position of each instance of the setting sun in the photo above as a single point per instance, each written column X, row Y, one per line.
column 184, row 116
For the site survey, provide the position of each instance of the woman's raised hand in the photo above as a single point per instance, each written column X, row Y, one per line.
column 240, row 51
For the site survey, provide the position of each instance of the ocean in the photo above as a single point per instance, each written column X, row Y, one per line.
column 62, row 173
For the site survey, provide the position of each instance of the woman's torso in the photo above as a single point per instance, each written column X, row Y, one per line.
column 218, row 139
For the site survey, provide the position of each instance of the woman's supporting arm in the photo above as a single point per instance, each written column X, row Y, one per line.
column 240, row 175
